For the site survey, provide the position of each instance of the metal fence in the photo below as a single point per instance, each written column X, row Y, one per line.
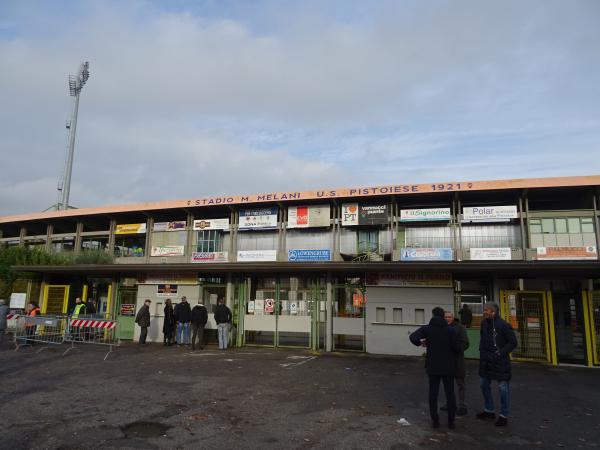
column 47, row 330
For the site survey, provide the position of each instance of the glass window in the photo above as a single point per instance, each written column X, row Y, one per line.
column 561, row 225
column 535, row 225
column 348, row 302
column 380, row 315
column 130, row 246
column 587, row 225
column 574, row 225
column 368, row 241
column 548, row 225
column 65, row 244
column 209, row 241
column 419, row 316
column 397, row 315
column 94, row 243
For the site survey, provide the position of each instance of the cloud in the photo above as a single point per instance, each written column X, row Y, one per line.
column 189, row 99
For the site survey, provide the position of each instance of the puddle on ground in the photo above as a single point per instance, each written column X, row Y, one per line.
column 145, row 429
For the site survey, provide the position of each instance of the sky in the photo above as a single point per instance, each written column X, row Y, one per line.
column 190, row 99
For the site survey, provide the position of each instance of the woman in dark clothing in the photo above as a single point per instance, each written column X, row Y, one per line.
column 168, row 323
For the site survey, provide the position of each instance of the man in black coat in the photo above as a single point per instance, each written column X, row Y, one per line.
column 183, row 317
column 199, row 319
column 459, row 361
column 497, row 341
column 442, row 344
column 143, row 320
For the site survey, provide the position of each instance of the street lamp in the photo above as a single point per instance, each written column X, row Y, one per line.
column 76, row 83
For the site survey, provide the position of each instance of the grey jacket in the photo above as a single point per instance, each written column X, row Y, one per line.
column 3, row 314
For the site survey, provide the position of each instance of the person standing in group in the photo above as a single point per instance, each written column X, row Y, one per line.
column 466, row 315
column 497, row 341
column 183, row 317
column 30, row 326
column 442, row 344
column 199, row 319
column 459, row 362
column 168, row 323
column 143, row 320
column 223, row 319
column 79, row 309
column 3, row 319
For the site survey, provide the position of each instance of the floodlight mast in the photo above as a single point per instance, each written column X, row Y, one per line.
column 76, row 83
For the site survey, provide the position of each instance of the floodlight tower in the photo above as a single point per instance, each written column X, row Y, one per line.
column 76, row 83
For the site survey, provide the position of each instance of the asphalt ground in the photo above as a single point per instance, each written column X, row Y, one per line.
column 260, row 398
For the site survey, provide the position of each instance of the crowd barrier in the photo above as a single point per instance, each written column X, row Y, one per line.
column 49, row 330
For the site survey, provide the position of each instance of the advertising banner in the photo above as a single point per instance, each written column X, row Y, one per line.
column 309, row 255
column 258, row 219
column 562, row 253
column 256, row 255
column 177, row 225
column 131, row 228
column 209, row 257
column 410, row 279
column 308, row 216
column 426, row 254
column 489, row 213
column 490, row 254
column 414, row 215
column 211, row 224
column 162, row 278
column 127, row 309
column 166, row 290
column 355, row 214
column 168, row 250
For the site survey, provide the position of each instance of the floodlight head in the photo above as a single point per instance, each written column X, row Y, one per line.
column 76, row 82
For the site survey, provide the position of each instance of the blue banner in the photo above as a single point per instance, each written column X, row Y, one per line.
column 309, row 255
column 426, row 254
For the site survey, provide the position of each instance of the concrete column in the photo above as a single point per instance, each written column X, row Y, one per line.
column 147, row 244
column 229, row 292
column 329, row 315
column 78, row 237
column 111, row 236
column 49, row 233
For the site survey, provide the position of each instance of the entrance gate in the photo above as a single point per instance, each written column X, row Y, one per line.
column 281, row 312
column 55, row 299
column 530, row 314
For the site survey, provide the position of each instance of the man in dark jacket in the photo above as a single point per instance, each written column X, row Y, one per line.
column 223, row 319
column 199, row 319
column 459, row 361
column 442, row 343
column 143, row 320
column 497, row 341
column 466, row 315
column 183, row 317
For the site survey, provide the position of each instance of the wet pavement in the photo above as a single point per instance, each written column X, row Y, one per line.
column 169, row 397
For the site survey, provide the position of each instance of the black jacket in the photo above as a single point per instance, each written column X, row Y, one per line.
column 182, row 312
column 222, row 314
column 466, row 316
column 463, row 342
column 143, row 317
column 497, row 341
column 442, row 345
column 199, row 315
column 169, row 320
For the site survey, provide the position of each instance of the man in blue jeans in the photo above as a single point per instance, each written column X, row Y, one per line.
column 223, row 319
column 497, row 341
column 183, row 316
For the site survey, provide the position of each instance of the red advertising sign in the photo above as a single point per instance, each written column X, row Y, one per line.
column 302, row 216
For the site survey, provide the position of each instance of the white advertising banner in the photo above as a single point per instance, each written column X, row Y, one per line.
column 264, row 218
column 177, row 225
column 489, row 213
column 256, row 255
column 209, row 257
column 490, row 254
column 308, row 216
column 168, row 250
column 211, row 224
column 414, row 215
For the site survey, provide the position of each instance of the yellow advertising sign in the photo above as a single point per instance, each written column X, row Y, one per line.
column 131, row 228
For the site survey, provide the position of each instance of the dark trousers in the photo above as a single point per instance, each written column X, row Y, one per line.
column 143, row 334
column 434, row 390
column 197, row 332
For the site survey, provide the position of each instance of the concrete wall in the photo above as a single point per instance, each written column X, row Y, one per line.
column 389, row 337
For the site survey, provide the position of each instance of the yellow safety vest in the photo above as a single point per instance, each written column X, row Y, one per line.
column 78, row 309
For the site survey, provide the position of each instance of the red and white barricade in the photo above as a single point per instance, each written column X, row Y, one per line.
column 94, row 331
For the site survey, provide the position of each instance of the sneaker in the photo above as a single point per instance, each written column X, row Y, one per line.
column 486, row 415
column 501, row 422
column 444, row 408
column 461, row 412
